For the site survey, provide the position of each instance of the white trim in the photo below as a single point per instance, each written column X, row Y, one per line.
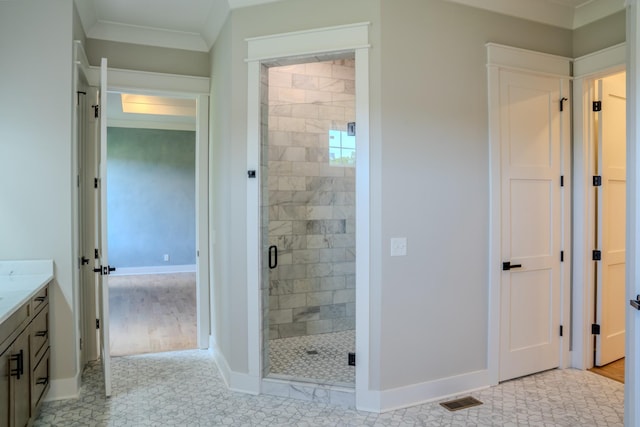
column 505, row 57
column 158, row 269
column 65, row 388
column 254, row 261
column 553, row 13
column 235, row 381
column 566, row 209
column 202, row 221
column 588, row 68
column 307, row 43
column 124, row 33
column 632, row 367
column 145, row 82
column 363, row 234
column 528, row 61
column 417, row 394
column 600, row 61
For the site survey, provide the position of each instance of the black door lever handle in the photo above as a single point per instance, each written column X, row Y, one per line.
column 506, row 266
column 273, row 256
column 635, row 303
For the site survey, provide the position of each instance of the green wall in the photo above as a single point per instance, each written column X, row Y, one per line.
column 151, row 197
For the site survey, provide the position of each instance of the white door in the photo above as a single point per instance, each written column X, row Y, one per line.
column 102, row 261
column 530, row 134
column 610, row 288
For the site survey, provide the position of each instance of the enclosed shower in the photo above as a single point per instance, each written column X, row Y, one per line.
column 308, row 231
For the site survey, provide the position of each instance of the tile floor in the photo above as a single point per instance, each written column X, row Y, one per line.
column 322, row 357
column 185, row 389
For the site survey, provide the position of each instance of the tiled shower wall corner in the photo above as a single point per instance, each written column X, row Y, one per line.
column 311, row 204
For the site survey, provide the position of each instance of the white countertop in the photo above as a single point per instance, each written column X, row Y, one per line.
column 20, row 281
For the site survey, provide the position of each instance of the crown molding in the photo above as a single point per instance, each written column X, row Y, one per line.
column 124, row 33
column 544, row 11
column 550, row 12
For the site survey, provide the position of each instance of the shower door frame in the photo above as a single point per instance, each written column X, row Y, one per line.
column 304, row 44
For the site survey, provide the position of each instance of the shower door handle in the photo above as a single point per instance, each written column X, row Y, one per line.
column 273, row 256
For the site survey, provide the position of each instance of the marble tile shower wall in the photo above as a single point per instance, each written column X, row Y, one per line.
column 311, row 203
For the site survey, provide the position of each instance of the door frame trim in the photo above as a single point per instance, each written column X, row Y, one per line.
column 320, row 41
column 501, row 57
column 587, row 69
column 196, row 88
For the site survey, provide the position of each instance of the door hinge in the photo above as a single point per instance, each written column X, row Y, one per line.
column 78, row 181
column 597, row 180
column 78, row 93
column 97, row 323
column 352, row 359
column 595, row 329
column 597, row 105
column 95, row 182
column 96, row 253
column 561, row 330
column 561, row 180
column 96, row 111
column 562, row 103
column 596, row 255
column 80, row 343
column 561, row 256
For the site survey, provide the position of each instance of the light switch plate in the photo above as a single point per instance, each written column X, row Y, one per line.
column 398, row 246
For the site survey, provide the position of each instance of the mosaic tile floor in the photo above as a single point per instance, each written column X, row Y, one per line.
column 321, row 358
column 185, row 389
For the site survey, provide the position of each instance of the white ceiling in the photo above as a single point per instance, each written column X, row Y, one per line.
column 195, row 24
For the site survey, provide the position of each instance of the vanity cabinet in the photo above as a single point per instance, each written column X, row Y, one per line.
column 24, row 361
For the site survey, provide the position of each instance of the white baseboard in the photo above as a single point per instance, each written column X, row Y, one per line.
column 235, row 381
column 66, row 388
column 417, row 394
column 158, row 269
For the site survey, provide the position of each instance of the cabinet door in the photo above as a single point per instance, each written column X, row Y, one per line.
column 20, row 385
column 4, row 389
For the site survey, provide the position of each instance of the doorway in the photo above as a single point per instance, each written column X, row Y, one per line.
column 308, row 220
column 151, row 164
column 609, row 141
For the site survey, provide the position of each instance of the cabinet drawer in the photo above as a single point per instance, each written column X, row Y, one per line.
column 40, row 381
column 39, row 335
column 40, row 299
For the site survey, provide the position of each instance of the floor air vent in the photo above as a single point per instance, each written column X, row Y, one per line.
column 462, row 403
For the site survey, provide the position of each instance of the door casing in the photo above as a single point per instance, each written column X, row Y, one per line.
column 587, row 70
column 506, row 57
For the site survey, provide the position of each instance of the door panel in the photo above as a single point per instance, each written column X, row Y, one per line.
column 611, row 219
column 531, row 223
column 101, row 229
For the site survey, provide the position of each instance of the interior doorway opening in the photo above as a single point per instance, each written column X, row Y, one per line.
column 609, row 144
column 308, row 170
column 151, row 174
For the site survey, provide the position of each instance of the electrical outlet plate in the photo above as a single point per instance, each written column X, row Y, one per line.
column 398, row 246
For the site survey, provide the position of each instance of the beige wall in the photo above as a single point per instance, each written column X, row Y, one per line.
column 435, row 188
column 429, row 173
column 598, row 35
column 148, row 58
column 36, row 173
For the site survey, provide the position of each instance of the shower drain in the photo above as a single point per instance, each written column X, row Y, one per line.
column 312, row 351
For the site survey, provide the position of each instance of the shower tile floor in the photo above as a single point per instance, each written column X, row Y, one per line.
column 319, row 358
column 185, row 389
